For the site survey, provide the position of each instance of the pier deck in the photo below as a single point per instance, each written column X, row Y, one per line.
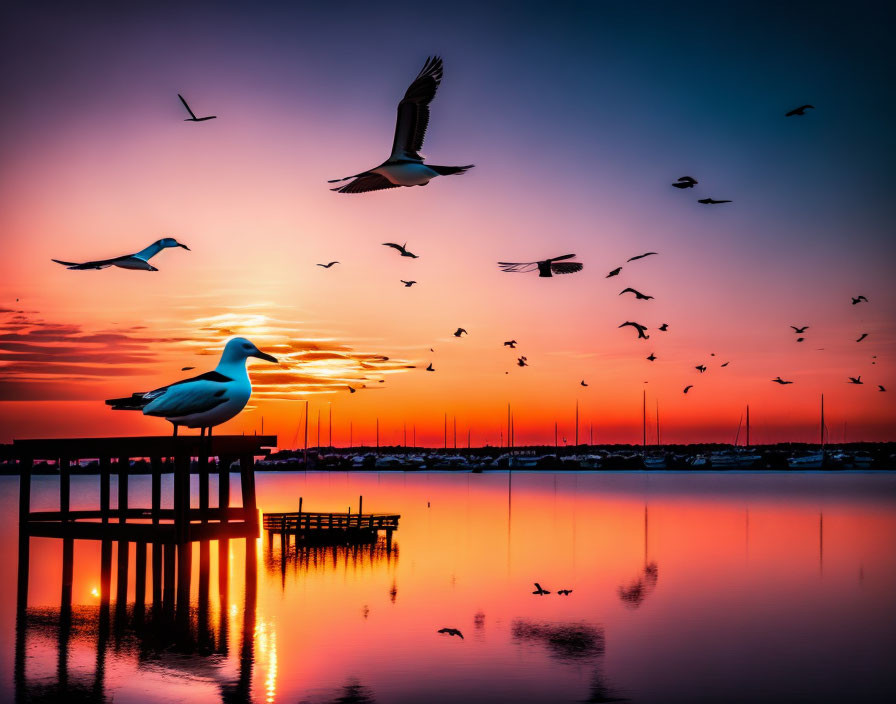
column 331, row 528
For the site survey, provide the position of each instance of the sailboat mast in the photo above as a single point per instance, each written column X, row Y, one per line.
column 306, row 436
column 657, row 423
column 577, row 423
column 644, row 419
column 822, row 421
column 748, row 426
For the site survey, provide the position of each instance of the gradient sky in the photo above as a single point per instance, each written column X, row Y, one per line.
column 578, row 116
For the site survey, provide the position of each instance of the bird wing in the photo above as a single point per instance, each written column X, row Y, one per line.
column 518, row 266
column 641, row 256
column 566, row 267
column 365, row 183
column 413, row 112
column 195, row 395
column 186, row 106
column 97, row 264
column 557, row 259
column 628, row 290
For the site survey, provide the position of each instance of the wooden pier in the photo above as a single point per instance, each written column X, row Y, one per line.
column 314, row 528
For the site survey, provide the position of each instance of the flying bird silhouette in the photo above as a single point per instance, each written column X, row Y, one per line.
column 640, row 256
column 429, row 368
column 407, row 284
column 664, row 327
column 564, row 592
column 800, row 339
column 880, row 387
column 192, row 117
column 640, row 296
column 539, row 590
column 583, row 383
column 640, row 328
column 511, row 344
column 864, row 335
column 688, row 388
column 615, row 272
column 700, row 368
column 801, row 110
column 801, row 330
column 859, row 299
column 652, row 357
column 546, row 267
column 351, row 390
column 725, row 364
column 186, row 369
column 522, row 362
column 451, row 632
column 459, row 332
column 712, row 201
column 139, row 260
column 685, row 182
column 203, row 401
column 405, row 166
column 855, row 380
column 327, row 266
column 401, row 248
column 779, row 380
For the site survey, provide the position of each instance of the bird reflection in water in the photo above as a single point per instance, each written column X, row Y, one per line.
column 634, row 594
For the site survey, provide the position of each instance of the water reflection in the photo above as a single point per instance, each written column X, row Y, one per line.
column 565, row 641
column 635, row 592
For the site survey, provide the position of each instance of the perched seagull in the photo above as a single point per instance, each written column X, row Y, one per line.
column 583, row 383
column 800, row 331
column 700, row 368
column 855, row 380
column 401, row 248
column 539, row 590
column 327, row 266
column 640, row 328
column 664, row 327
column 685, row 182
column 429, row 368
column 640, row 296
column 779, row 380
column 140, row 260
column 864, row 335
column 407, row 284
column 880, row 387
column 192, row 117
column 688, row 387
column 640, row 256
column 564, row 592
column 451, row 632
column 206, row 400
column 546, row 267
column 459, row 332
column 511, row 344
column 801, row 110
column 859, row 299
column 652, row 357
column 522, row 362
column 615, row 272
column 405, row 166
column 712, row 201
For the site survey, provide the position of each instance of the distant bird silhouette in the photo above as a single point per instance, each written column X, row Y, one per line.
column 700, row 368
column 459, row 332
column 539, row 590
column 138, row 261
column 725, row 364
column 511, row 344
column 801, row 330
column 407, row 284
column 583, row 383
column 522, row 362
column 564, row 592
column 401, row 248
column 652, row 357
column 864, row 335
column 186, row 369
column 640, row 328
column 779, row 380
column 664, row 327
column 546, row 267
column 688, row 387
column 451, row 632
column 640, row 256
column 192, row 117
column 327, row 266
column 640, row 296
column 685, row 182
column 429, row 368
column 801, row 110
column 712, row 201
column 800, row 339
column 859, row 299
column 615, row 272
column 880, row 387
column 405, row 166
column 351, row 390
column 855, row 380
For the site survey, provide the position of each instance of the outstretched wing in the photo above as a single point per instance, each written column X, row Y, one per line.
column 413, row 112
column 98, row 264
column 515, row 267
column 641, row 256
column 186, row 106
column 566, row 267
column 365, row 183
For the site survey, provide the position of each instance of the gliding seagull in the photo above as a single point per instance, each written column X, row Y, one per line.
column 192, row 117
column 206, row 400
column 546, row 267
column 405, row 166
column 140, row 260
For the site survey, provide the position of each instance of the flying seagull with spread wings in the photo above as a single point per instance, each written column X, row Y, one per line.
column 640, row 256
column 781, row 381
column 451, row 632
column 203, row 401
column 401, row 248
column 712, row 201
column 685, row 182
column 407, row 284
column 192, row 117
column 546, row 267
column 858, row 299
column 405, row 166
column 327, row 266
column 800, row 331
column 801, row 110
column 615, row 272
column 139, row 260
column 511, row 344
column 459, row 332
column 637, row 326
column 640, row 296
column 855, row 380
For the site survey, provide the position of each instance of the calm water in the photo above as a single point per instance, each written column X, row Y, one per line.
column 686, row 588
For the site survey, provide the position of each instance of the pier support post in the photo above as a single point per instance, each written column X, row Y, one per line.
column 168, row 588
column 203, row 485
column 182, row 499
column 139, row 580
column 247, row 480
column 68, row 568
column 224, row 486
column 25, row 467
column 105, row 491
column 65, row 488
column 184, row 576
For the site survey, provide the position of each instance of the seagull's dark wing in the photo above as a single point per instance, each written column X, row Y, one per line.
column 98, row 264
column 186, row 106
column 518, row 266
column 413, row 112
column 641, row 256
column 565, row 256
column 566, row 267
column 365, row 183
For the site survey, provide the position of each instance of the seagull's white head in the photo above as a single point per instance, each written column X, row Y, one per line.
column 171, row 242
column 239, row 349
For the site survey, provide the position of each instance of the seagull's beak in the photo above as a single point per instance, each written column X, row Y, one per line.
column 184, row 246
column 264, row 356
